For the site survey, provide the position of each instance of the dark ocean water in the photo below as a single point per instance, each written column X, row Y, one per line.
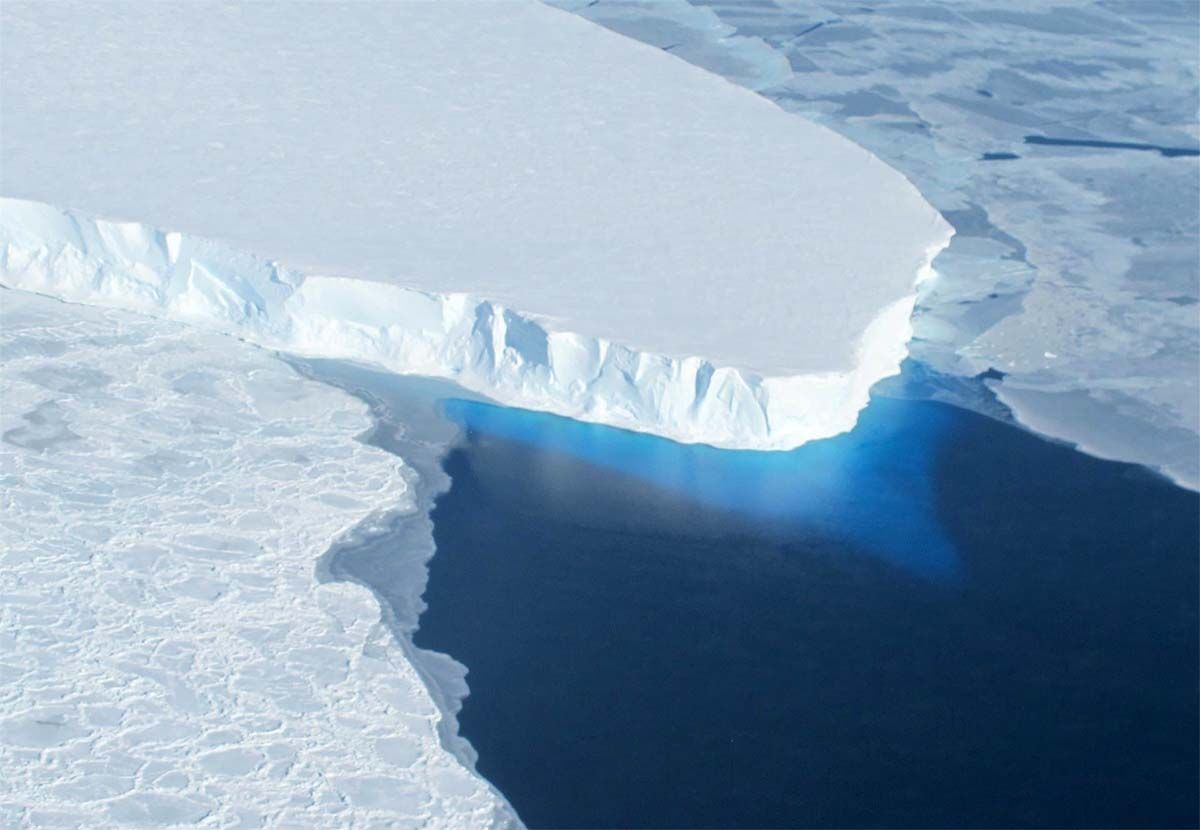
column 937, row 620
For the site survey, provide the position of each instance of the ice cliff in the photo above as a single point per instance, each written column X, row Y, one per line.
column 481, row 344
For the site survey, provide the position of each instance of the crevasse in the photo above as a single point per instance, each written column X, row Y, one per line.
column 514, row 358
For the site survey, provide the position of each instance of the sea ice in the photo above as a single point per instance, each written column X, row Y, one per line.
column 168, row 654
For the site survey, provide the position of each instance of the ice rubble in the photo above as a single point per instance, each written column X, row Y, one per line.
column 1075, row 270
column 169, row 654
column 500, row 193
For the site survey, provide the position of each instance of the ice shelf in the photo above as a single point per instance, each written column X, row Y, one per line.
column 502, row 193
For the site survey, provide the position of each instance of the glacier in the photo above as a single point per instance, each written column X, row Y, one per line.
column 504, row 194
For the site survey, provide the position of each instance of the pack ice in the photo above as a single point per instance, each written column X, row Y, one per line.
column 501, row 193
column 168, row 655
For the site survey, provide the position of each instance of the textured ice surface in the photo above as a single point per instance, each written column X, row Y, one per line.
column 1075, row 269
column 168, row 655
column 507, row 151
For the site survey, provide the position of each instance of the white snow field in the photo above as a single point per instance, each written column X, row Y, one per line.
column 1075, row 270
column 501, row 193
column 168, row 655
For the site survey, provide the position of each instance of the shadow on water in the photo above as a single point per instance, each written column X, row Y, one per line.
column 1167, row 152
column 937, row 620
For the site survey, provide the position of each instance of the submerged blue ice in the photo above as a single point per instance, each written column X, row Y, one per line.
column 935, row 620
column 867, row 488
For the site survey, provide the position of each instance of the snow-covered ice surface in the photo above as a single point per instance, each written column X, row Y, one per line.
column 634, row 240
column 168, row 653
column 1074, row 271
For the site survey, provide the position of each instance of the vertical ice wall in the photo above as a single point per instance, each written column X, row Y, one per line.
column 480, row 344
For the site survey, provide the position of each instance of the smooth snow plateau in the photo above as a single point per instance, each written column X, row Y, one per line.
column 508, row 195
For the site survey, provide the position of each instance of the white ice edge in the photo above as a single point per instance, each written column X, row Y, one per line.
column 485, row 347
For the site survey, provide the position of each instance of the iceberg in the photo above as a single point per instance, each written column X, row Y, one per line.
column 503, row 194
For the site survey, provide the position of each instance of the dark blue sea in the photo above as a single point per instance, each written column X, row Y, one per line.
column 936, row 620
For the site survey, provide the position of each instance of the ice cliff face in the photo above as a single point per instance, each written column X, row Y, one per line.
column 482, row 345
